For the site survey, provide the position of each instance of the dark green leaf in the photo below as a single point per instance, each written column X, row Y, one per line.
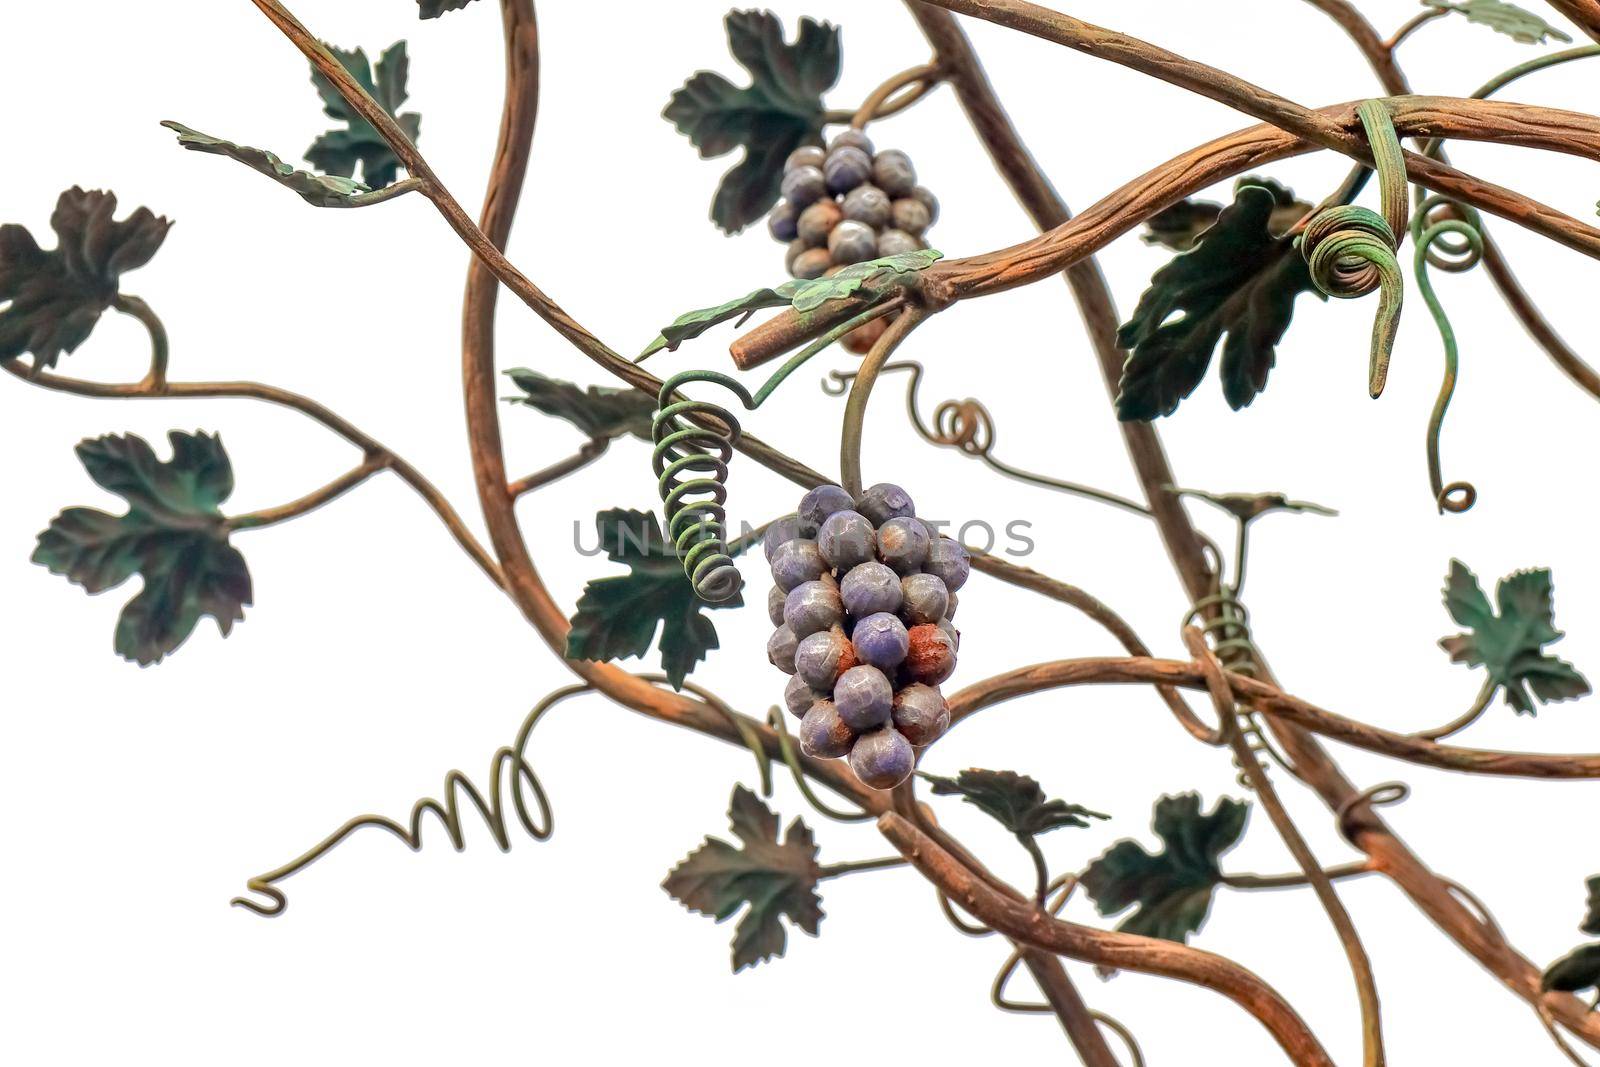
column 1014, row 800
column 869, row 282
column 320, row 190
column 1509, row 19
column 1510, row 645
column 779, row 111
column 774, row 879
column 339, row 151
column 1591, row 918
column 1173, row 887
column 1239, row 279
column 432, row 9
column 50, row 301
column 598, row 411
column 1178, row 227
column 1577, row 970
column 617, row 617
column 173, row 536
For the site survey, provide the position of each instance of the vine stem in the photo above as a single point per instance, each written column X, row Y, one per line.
column 283, row 398
column 835, row 870
column 1296, row 879
column 592, row 450
column 1222, row 699
column 160, row 346
column 1584, row 14
column 1412, row 25
column 347, row 481
column 855, row 408
column 1465, row 719
column 925, row 76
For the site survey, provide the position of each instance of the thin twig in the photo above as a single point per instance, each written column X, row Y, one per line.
column 347, row 481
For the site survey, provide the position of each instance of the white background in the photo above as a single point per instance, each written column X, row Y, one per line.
column 376, row 657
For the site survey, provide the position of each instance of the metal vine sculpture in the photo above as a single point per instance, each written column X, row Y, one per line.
column 865, row 592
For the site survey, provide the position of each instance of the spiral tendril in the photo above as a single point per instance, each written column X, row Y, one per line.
column 1225, row 623
column 1448, row 238
column 1351, row 250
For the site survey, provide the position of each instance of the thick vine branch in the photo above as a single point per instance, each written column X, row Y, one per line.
column 1025, row 922
column 1273, row 702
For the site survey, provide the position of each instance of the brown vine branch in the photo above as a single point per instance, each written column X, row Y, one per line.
column 592, row 450
column 1584, row 14
column 1025, row 922
column 1274, row 703
column 347, row 481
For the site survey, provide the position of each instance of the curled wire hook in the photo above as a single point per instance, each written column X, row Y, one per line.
column 1448, row 237
column 1350, row 250
column 1374, row 796
column 967, row 425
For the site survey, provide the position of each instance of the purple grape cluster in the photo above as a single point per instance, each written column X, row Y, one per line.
column 847, row 204
column 863, row 598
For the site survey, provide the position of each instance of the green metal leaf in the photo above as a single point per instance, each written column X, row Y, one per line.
column 319, row 190
column 598, row 411
column 432, row 9
column 1577, row 970
column 1247, row 507
column 778, row 112
column 1014, row 800
column 173, row 536
column 869, row 282
column 50, row 301
column 1240, row 278
column 1178, row 227
column 617, row 617
column 1509, row 19
column 1591, row 918
column 1510, row 645
column 768, row 878
column 338, row 152
column 1173, row 887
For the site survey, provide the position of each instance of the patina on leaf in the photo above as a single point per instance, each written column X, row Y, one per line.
column 1509, row 19
column 51, row 301
column 1179, row 226
column 1240, row 279
column 778, row 112
column 617, row 617
column 319, row 190
column 1172, row 888
column 768, row 877
column 1014, row 800
column 338, row 152
column 1510, row 645
column 432, row 9
column 599, row 411
column 173, row 536
column 868, row 282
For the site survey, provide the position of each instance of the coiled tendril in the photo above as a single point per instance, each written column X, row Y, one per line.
column 1350, row 250
column 1225, row 623
column 690, row 461
column 1447, row 236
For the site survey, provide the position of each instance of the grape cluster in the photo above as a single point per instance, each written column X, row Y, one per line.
column 863, row 598
column 846, row 204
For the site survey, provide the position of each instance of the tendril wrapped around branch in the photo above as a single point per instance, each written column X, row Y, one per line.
column 1350, row 250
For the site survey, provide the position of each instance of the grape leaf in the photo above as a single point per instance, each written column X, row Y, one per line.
column 1510, row 645
column 598, row 411
column 1247, row 507
column 1179, row 226
column 173, row 536
column 432, row 9
column 869, row 282
column 617, row 616
column 50, row 301
column 1172, row 888
column 1014, row 800
column 1591, row 918
column 338, row 151
column 1240, row 279
column 774, row 879
column 779, row 111
column 1509, row 19
column 1577, row 970
column 319, row 190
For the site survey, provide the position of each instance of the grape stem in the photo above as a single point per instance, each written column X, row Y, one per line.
column 836, row 870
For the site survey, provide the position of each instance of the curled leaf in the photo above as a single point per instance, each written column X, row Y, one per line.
column 319, row 190
column 1014, row 800
column 1510, row 645
column 599, row 411
column 1517, row 23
